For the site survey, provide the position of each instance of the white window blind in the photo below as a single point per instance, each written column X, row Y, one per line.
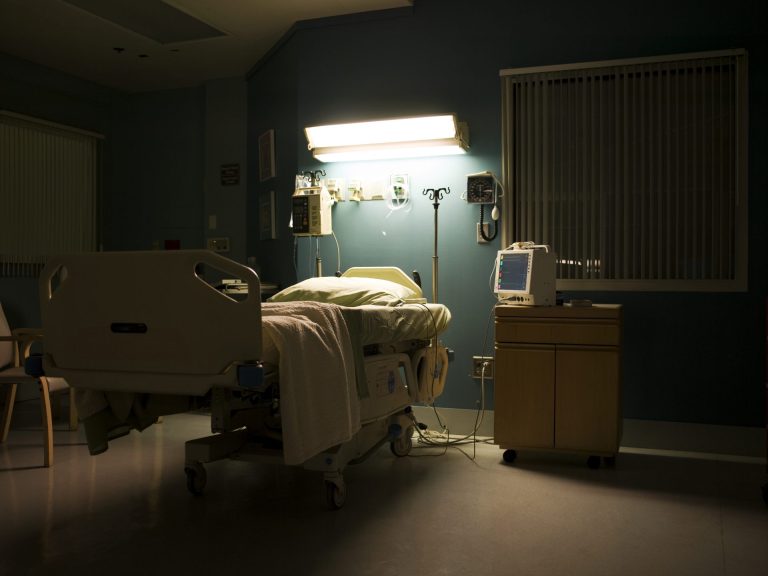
column 49, row 189
column 633, row 171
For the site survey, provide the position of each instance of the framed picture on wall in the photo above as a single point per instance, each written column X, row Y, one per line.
column 267, row 155
column 267, row 224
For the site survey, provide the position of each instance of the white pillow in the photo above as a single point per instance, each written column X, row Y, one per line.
column 346, row 291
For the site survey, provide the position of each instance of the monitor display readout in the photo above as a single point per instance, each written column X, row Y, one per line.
column 513, row 271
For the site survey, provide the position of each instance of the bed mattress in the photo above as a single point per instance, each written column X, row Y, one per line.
column 368, row 324
column 383, row 324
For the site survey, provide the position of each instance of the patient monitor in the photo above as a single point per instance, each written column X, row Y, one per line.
column 525, row 275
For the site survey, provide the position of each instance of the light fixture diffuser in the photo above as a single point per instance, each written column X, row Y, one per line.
column 394, row 138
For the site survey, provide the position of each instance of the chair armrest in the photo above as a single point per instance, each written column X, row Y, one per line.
column 28, row 333
column 23, row 339
column 23, row 334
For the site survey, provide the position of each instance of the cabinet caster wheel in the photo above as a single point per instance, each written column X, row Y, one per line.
column 765, row 494
column 403, row 444
column 335, row 495
column 593, row 462
column 509, row 456
column 609, row 461
column 196, row 478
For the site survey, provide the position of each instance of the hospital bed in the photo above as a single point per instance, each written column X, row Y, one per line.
column 320, row 376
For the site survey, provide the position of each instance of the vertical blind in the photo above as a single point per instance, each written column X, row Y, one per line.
column 49, row 183
column 634, row 172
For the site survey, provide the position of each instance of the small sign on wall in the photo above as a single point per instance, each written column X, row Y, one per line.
column 230, row 174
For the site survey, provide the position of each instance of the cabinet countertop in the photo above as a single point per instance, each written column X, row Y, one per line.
column 594, row 311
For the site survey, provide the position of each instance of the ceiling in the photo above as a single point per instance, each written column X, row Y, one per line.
column 141, row 45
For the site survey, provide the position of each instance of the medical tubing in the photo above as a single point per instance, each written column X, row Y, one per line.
column 493, row 273
column 395, row 203
column 296, row 256
column 309, row 257
column 482, row 228
column 338, row 254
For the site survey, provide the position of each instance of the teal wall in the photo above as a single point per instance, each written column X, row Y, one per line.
column 688, row 357
column 155, row 185
column 696, row 357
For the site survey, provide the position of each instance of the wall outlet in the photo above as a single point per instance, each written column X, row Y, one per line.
column 218, row 244
column 477, row 367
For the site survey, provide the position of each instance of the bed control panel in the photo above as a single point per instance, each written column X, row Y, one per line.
column 387, row 381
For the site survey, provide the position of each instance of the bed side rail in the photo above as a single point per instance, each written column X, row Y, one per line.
column 149, row 313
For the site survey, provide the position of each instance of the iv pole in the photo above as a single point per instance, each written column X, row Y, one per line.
column 314, row 180
column 435, row 195
column 439, row 352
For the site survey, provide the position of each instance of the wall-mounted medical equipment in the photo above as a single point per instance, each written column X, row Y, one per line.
column 482, row 189
column 311, row 206
column 311, row 211
column 525, row 275
column 413, row 137
column 335, row 188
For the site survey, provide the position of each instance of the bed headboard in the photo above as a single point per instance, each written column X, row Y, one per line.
column 149, row 312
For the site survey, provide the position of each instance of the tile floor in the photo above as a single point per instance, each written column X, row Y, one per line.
column 128, row 512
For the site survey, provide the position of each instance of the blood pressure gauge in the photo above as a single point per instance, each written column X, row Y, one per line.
column 481, row 188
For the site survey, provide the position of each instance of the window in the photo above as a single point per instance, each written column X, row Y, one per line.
column 49, row 184
column 633, row 171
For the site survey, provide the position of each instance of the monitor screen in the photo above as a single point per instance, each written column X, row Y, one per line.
column 512, row 271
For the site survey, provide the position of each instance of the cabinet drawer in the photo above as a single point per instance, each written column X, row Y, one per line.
column 556, row 331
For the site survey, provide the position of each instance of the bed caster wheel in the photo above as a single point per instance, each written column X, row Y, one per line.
column 593, row 462
column 196, row 478
column 402, row 445
column 509, row 456
column 335, row 494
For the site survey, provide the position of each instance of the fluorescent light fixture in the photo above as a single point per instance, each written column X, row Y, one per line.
column 395, row 138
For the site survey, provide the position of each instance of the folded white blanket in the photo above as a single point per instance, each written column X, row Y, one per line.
column 318, row 393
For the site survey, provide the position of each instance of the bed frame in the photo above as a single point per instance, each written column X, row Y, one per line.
column 116, row 323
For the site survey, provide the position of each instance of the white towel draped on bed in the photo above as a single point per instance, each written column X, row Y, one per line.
column 318, row 393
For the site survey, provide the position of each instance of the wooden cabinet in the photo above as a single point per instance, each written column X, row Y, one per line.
column 558, row 379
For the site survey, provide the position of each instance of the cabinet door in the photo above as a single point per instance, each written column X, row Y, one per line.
column 524, row 396
column 587, row 399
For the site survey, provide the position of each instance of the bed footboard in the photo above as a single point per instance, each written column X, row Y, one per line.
column 110, row 316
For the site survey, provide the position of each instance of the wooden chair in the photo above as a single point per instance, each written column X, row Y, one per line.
column 14, row 350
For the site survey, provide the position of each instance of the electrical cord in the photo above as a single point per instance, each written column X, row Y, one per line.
column 443, row 439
